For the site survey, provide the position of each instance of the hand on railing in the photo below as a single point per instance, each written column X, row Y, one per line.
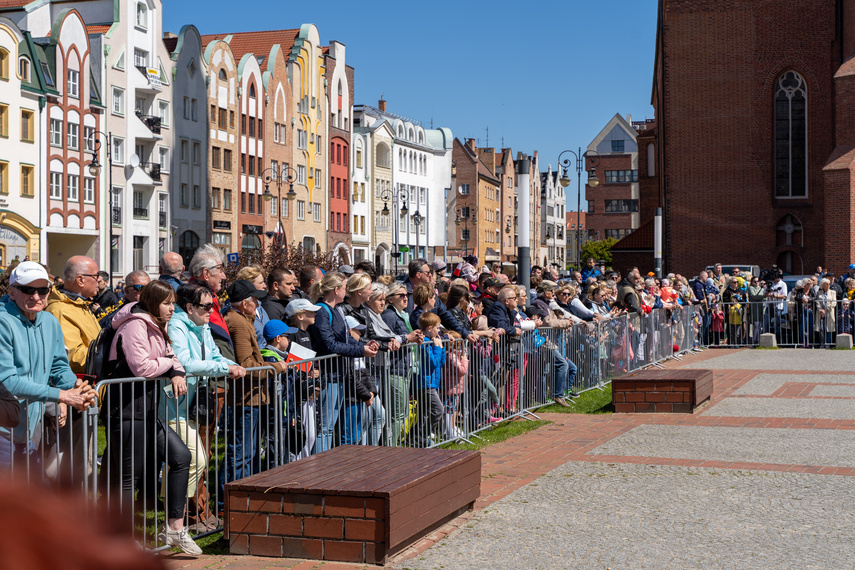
column 415, row 336
column 179, row 386
column 63, row 415
column 394, row 344
column 473, row 338
column 236, row 371
column 371, row 349
column 80, row 397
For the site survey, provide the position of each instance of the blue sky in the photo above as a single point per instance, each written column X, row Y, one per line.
column 541, row 75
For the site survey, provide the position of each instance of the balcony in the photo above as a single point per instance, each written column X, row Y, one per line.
column 153, row 77
column 117, row 216
column 152, row 169
column 141, row 213
column 150, row 121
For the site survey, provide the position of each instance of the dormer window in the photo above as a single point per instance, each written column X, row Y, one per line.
column 24, row 69
column 142, row 15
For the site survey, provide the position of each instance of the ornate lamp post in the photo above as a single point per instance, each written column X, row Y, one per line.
column 593, row 160
column 464, row 216
column 396, row 196
column 276, row 175
column 95, row 171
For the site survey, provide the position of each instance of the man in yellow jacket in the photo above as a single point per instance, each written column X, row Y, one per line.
column 70, row 305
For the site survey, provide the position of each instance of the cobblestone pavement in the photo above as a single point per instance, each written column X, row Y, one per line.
column 597, row 515
column 761, row 476
column 756, row 445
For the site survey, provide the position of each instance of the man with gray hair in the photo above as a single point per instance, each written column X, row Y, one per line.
column 171, row 269
column 208, row 268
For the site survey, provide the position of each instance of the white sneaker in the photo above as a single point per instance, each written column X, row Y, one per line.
column 182, row 540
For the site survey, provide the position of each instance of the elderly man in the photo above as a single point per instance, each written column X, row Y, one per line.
column 171, row 269
column 135, row 281
column 420, row 274
column 33, row 362
column 70, row 306
column 281, row 284
column 503, row 313
column 208, row 268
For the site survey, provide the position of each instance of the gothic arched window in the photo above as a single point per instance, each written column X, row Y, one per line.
column 791, row 136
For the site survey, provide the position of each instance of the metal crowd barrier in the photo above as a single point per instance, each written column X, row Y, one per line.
column 811, row 323
column 157, row 458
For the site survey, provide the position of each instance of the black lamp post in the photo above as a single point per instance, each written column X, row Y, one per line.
column 396, row 196
column 276, row 175
column 95, row 171
column 464, row 217
column 417, row 220
column 593, row 159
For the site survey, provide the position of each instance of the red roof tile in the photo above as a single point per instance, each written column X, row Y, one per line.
column 170, row 43
column 257, row 43
column 642, row 238
column 96, row 29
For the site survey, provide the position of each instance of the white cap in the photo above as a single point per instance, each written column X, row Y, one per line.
column 27, row 272
column 300, row 305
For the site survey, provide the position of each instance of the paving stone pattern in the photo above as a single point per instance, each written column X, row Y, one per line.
column 596, row 515
column 768, row 384
column 823, row 391
column 784, row 408
column 751, row 445
column 781, row 359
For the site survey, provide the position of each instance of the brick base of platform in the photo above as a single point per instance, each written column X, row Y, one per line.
column 663, row 391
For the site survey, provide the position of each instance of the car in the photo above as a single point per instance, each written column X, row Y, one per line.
column 743, row 267
column 791, row 280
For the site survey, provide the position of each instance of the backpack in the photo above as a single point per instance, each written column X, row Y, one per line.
column 98, row 363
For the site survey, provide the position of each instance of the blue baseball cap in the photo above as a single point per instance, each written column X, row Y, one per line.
column 275, row 327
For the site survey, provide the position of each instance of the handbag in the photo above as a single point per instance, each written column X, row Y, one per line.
column 203, row 408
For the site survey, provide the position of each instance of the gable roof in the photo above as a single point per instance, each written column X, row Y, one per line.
column 640, row 239
column 256, row 43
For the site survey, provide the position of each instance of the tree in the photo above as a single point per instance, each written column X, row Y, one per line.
column 599, row 250
column 292, row 257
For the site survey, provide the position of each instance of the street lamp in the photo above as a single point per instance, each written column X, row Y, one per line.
column 417, row 220
column 95, row 171
column 277, row 175
column 464, row 216
column 398, row 195
column 593, row 160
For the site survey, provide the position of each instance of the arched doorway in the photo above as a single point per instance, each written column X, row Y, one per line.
column 188, row 243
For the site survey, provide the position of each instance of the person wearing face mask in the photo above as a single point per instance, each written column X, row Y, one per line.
column 141, row 348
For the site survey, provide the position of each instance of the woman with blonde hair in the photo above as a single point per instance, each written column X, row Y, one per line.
column 330, row 335
column 825, row 321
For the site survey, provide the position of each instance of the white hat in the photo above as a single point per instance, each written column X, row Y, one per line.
column 27, row 272
column 300, row 305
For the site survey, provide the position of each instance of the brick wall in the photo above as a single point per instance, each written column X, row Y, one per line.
column 349, row 529
column 721, row 63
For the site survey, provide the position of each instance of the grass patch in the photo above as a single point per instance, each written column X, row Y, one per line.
column 214, row 544
column 589, row 402
column 498, row 433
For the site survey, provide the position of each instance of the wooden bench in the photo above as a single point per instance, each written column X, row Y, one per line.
column 352, row 503
column 666, row 391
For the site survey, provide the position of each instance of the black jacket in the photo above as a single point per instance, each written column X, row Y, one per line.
column 275, row 307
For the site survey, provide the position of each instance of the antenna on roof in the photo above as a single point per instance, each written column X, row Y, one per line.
column 488, row 137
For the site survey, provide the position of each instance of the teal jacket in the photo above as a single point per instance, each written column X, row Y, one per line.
column 187, row 340
column 33, row 363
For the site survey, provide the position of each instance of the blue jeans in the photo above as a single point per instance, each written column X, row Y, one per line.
column 13, row 456
column 331, row 402
column 352, row 424
column 242, row 448
column 565, row 373
column 376, row 421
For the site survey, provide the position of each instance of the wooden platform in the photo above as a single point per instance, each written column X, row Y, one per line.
column 352, row 503
column 668, row 391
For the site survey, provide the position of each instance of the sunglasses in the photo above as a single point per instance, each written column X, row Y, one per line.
column 135, row 287
column 27, row 290
column 92, row 275
column 205, row 307
column 564, row 293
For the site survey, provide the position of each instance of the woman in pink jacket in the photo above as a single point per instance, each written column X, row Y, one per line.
column 141, row 349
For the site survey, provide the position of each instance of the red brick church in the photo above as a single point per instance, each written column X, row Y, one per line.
column 753, row 155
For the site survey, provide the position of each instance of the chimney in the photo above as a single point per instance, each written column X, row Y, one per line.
column 381, row 104
column 471, row 144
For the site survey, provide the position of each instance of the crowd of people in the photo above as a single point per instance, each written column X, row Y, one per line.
column 187, row 360
column 280, row 365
